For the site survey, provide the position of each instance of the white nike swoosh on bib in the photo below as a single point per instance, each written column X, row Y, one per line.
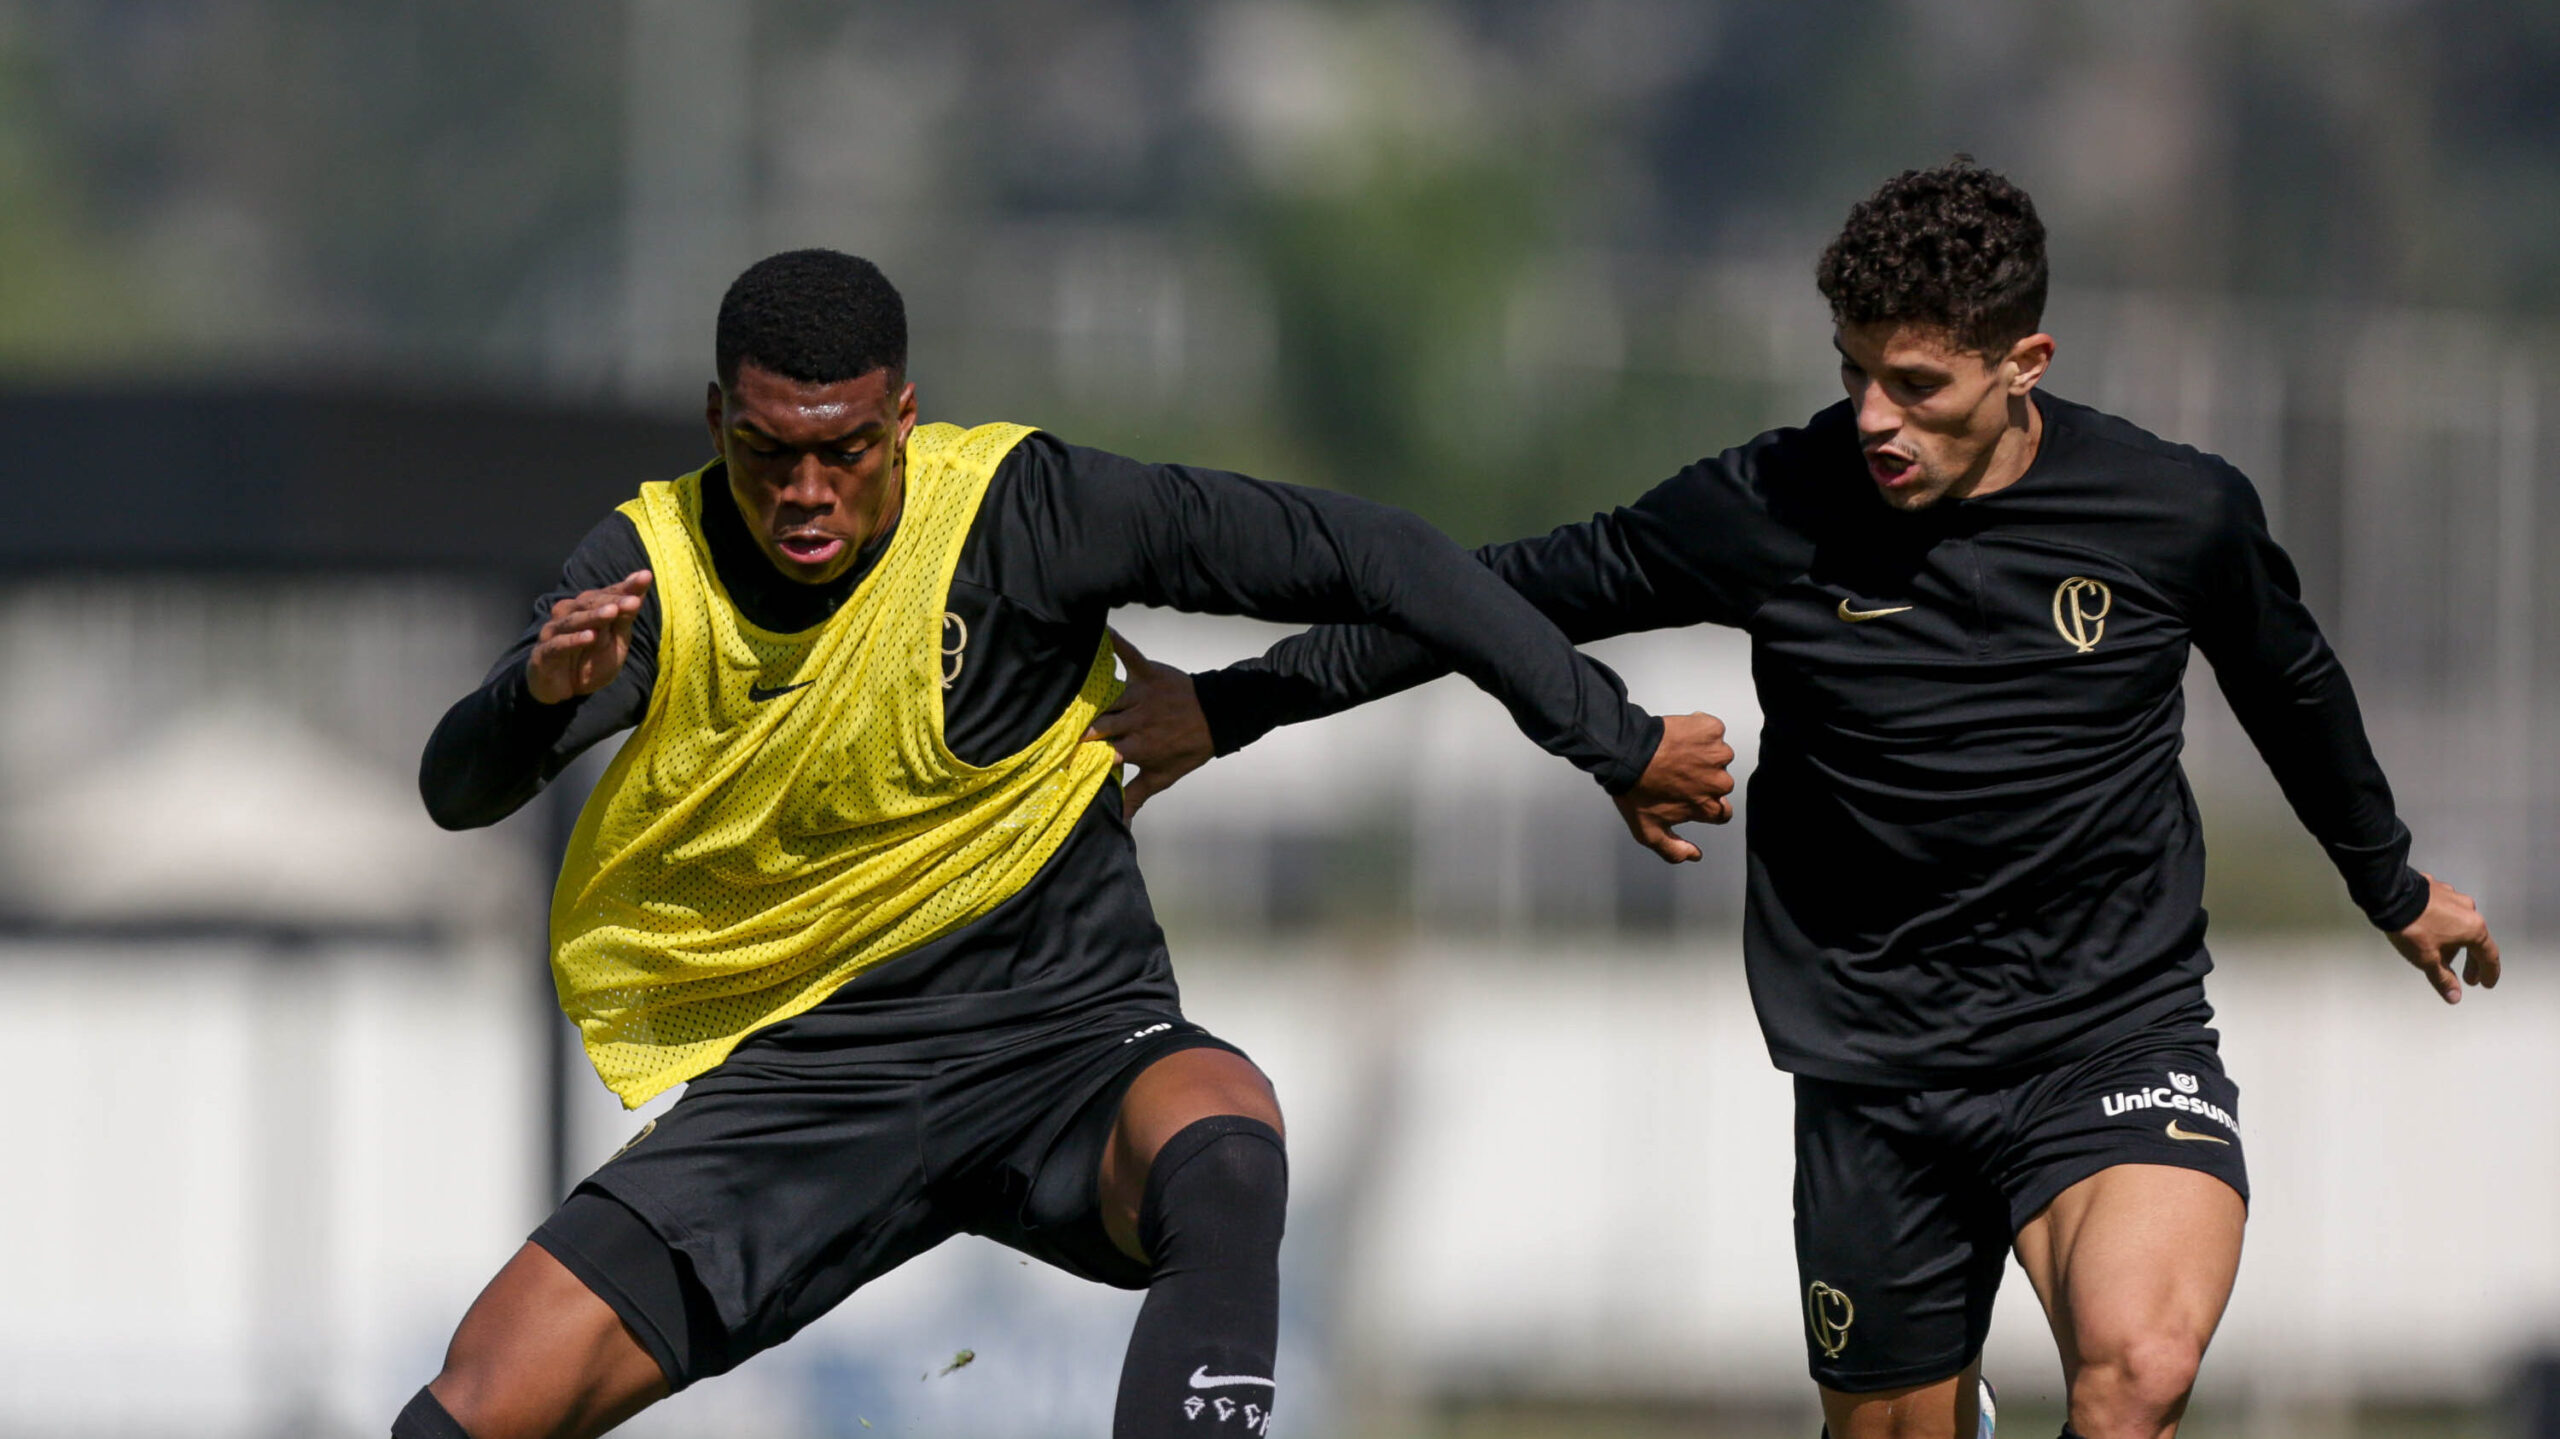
column 1201, row 1378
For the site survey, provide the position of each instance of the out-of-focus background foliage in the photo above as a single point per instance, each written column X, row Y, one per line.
column 324, row 329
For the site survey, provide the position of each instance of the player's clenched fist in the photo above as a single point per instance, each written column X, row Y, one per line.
column 1687, row 780
column 582, row 645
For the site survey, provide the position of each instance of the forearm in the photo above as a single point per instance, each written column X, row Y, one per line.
column 498, row 746
column 2293, row 697
column 494, row 750
column 1699, row 548
column 1309, row 676
column 2308, row 728
column 1578, row 577
column 1433, row 609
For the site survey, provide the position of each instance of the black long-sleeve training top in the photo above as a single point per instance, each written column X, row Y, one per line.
column 1063, row 535
column 1972, row 850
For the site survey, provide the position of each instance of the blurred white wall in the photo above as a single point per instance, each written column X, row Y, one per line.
column 1584, row 1183
column 245, row 1188
column 259, row 1191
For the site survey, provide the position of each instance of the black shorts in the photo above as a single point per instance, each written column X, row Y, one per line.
column 781, row 1182
column 1907, row 1201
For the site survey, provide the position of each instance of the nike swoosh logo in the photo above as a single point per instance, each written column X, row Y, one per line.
column 2176, row 1133
column 1854, row 616
column 759, row 694
column 1201, row 1378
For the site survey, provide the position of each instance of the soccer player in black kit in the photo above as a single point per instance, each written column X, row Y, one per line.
column 1024, row 1071
column 1973, row 926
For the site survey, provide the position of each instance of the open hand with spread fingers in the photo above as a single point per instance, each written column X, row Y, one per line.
column 1156, row 724
column 583, row 644
column 1687, row 780
column 2449, row 926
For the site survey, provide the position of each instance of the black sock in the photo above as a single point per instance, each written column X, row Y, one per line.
column 424, row 1418
column 1200, row 1358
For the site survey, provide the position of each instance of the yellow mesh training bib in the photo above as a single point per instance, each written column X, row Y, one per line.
column 787, row 814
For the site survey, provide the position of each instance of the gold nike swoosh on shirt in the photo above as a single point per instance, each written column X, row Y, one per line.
column 2176, row 1133
column 1854, row 616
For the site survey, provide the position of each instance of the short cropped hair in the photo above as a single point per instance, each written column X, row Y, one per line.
column 1956, row 248
column 816, row 316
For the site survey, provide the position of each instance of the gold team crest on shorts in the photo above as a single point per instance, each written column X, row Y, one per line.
column 1830, row 1313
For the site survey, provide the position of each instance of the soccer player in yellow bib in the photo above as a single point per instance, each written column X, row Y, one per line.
column 860, row 877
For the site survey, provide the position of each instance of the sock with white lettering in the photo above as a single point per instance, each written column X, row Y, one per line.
column 1200, row 1358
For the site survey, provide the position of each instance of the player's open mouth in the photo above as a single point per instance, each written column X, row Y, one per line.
column 810, row 549
column 1892, row 470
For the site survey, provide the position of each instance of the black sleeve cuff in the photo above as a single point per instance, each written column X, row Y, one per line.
column 529, row 721
column 2408, row 901
column 1623, row 774
column 1240, row 705
column 485, row 757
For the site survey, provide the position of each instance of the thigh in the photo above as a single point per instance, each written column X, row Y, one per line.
column 1900, row 1242
column 2128, row 1184
column 540, row 1354
column 1068, row 1191
column 2134, row 1256
column 1167, row 1097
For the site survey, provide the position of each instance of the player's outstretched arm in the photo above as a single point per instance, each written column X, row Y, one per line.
column 1698, row 548
column 2449, row 928
column 583, row 644
column 1117, row 532
column 1157, row 725
column 1702, row 547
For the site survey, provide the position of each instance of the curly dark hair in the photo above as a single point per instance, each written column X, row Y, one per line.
column 816, row 316
column 1957, row 247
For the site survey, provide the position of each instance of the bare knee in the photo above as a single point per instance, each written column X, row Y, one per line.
column 2135, row 1388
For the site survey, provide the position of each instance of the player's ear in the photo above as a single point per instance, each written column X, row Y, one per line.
column 906, row 410
column 712, row 404
column 2027, row 361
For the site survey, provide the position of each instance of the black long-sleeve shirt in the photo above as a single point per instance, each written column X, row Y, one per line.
column 1972, row 850
column 1063, row 535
